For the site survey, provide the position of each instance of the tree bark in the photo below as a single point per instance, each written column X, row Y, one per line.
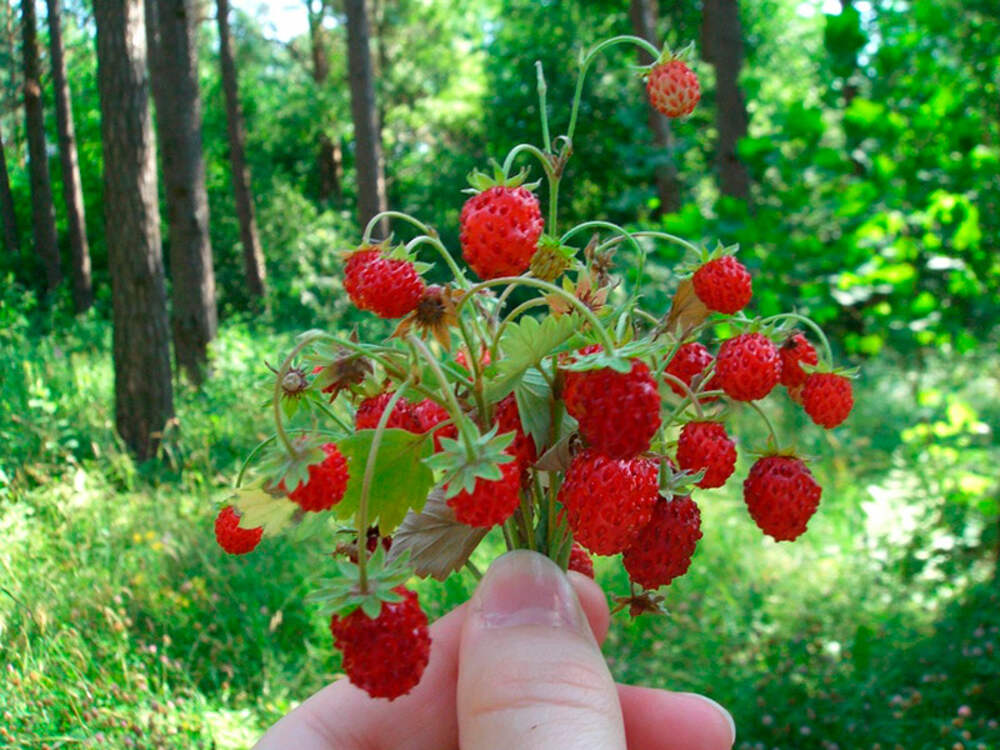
column 83, row 293
column 643, row 14
column 367, row 140
column 42, row 211
column 11, row 235
column 330, row 162
column 253, row 255
column 722, row 41
column 143, row 390
column 171, row 27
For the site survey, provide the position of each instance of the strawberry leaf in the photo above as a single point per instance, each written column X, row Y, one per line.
column 438, row 544
column 533, row 396
column 524, row 344
column 260, row 508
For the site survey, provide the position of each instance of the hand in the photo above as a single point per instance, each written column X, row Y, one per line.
column 516, row 667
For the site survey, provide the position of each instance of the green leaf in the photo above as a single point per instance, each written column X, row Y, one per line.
column 533, row 396
column 400, row 481
column 524, row 344
column 259, row 508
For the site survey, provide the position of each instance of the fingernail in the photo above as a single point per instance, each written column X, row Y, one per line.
column 722, row 712
column 526, row 588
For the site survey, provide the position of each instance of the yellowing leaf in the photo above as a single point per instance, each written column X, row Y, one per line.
column 258, row 507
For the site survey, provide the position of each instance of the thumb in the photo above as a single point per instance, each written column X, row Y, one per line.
column 530, row 673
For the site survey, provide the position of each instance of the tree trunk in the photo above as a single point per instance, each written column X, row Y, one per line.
column 11, row 236
column 171, row 33
column 722, row 41
column 143, row 391
column 330, row 161
column 643, row 14
column 83, row 293
column 367, row 141
column 253, row 256
column 42, row 212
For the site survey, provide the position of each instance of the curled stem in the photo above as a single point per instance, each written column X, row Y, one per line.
column 377, row 218
column 453, row 406
column 813, row 325
column 687, row 389
column 434, row 242
column 770, row 427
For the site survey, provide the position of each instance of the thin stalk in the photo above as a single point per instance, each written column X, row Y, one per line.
column 520, row 148
column 276, row 396
column 366, row 237
column 813, row 325
column 332, row 415
column 553, row 202
column 542, row 108
column 471, row 567
column 434, row 242
column 687, row 389
column 506, row 536
column 454, row 407
column 770, row 428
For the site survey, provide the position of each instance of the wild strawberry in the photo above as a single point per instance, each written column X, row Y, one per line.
column 690, row 361
column 608, row 501
column 388, row 287
column 231, row 537
column 794, row 352
column 663, row 549
column 618, row 413
column 429, row 415
column 747, row 367
column 385, row 656
column 326, row 484
column 462, row 358
column 827, row 398
column 723, row 285
column 373, row 537
column 370, row 412
column 490, row 502
column 508, row 419
column 673, row 88
column 782, row 496
column 500, row 228
column 580, row 561
column 705, row 445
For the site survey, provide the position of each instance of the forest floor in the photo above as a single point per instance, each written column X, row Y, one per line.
column 123, row 625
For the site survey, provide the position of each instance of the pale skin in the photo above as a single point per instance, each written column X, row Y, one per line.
column 518, row 666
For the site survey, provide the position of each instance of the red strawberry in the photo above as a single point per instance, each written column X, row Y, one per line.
column 509, row 420
column 490, row 502
column 326, row 484
column 705, row 445
column 430, row 414
column 663, row 549
column 723, row 285
column 580, row 561
column 782, row 496
column 231, row 537
column 794, row 352
column 747, row 367
column 385, row 656
column 690, row 361
column 827, row 398
column 673, row 88
column 370, row 412
column 608, row 501
column 462, row 358
column 500, row 228
column 388, row 287
column 618, row 413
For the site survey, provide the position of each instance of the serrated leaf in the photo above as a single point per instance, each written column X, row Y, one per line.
column 438, row 544
column 259, row 508
column 533, row 396
column 400, row 481
column 524, row 344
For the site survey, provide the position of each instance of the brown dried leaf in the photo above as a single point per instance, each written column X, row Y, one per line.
column 438, row 544
column 558, row 457
column 687, row 312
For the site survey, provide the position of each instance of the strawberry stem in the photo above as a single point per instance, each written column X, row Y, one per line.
column 453, row 406
column 542, row 108
column 770, row 428
column 812, row 325
column 279, row 376
column 687, row 389
column 434, row 242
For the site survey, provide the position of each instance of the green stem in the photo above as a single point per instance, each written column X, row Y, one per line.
column 508, row 163
column 687, row 389
column 770, row 428
column 506, row 536
column 471, row 567
column 657, row 236
column 553, row 202
column 279, row 426
column 542, row 108
column 477, row 369
column 267, row 441
column 454, row 407
column 813, row 325
column 366, row 237
column 443, row 252
column 332, row 415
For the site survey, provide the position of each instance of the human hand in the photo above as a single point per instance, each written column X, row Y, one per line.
column 516, row 667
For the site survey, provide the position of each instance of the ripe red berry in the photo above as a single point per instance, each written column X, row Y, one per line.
column 490, row 502
column 794, row 352
column 747, row 367
column 673, row 88
column 429, row 414
column 723, row 285
column 326, row 484
column 231, row 537
column 782, row 496
column 827, row 398
column 508, row 419
column 663, row 549
column 385, row 656
column 690, row 361
column 705, row 445
column 388, row 287
column 370, row 412
column 580, row 561
column 500, row 228
column 608, row 501
column 618, row 413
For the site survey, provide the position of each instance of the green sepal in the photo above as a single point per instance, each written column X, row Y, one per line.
column 459, row 471
column 480, row 181
column 342, row 595
column 619, row 361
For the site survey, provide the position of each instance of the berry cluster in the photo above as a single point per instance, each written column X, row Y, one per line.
column 566, row 417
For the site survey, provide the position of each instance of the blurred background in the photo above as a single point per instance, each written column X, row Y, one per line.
column 852, row 149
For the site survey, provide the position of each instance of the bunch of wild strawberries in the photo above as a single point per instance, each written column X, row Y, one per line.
column 542, row 401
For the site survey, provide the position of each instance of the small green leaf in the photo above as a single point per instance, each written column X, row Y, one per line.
column 259, row 508
column 533, row 396
column 526, row 343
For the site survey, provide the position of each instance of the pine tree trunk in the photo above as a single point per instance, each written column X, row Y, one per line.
column 143, row 390
column 42, row 211
column 171, row 35
column 253, row 255
column 367, row 140
column 643, row 14
column 722, row 41
column 83, row 293
column 11, row 236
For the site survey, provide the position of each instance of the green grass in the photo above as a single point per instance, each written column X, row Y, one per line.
column 122, row 624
